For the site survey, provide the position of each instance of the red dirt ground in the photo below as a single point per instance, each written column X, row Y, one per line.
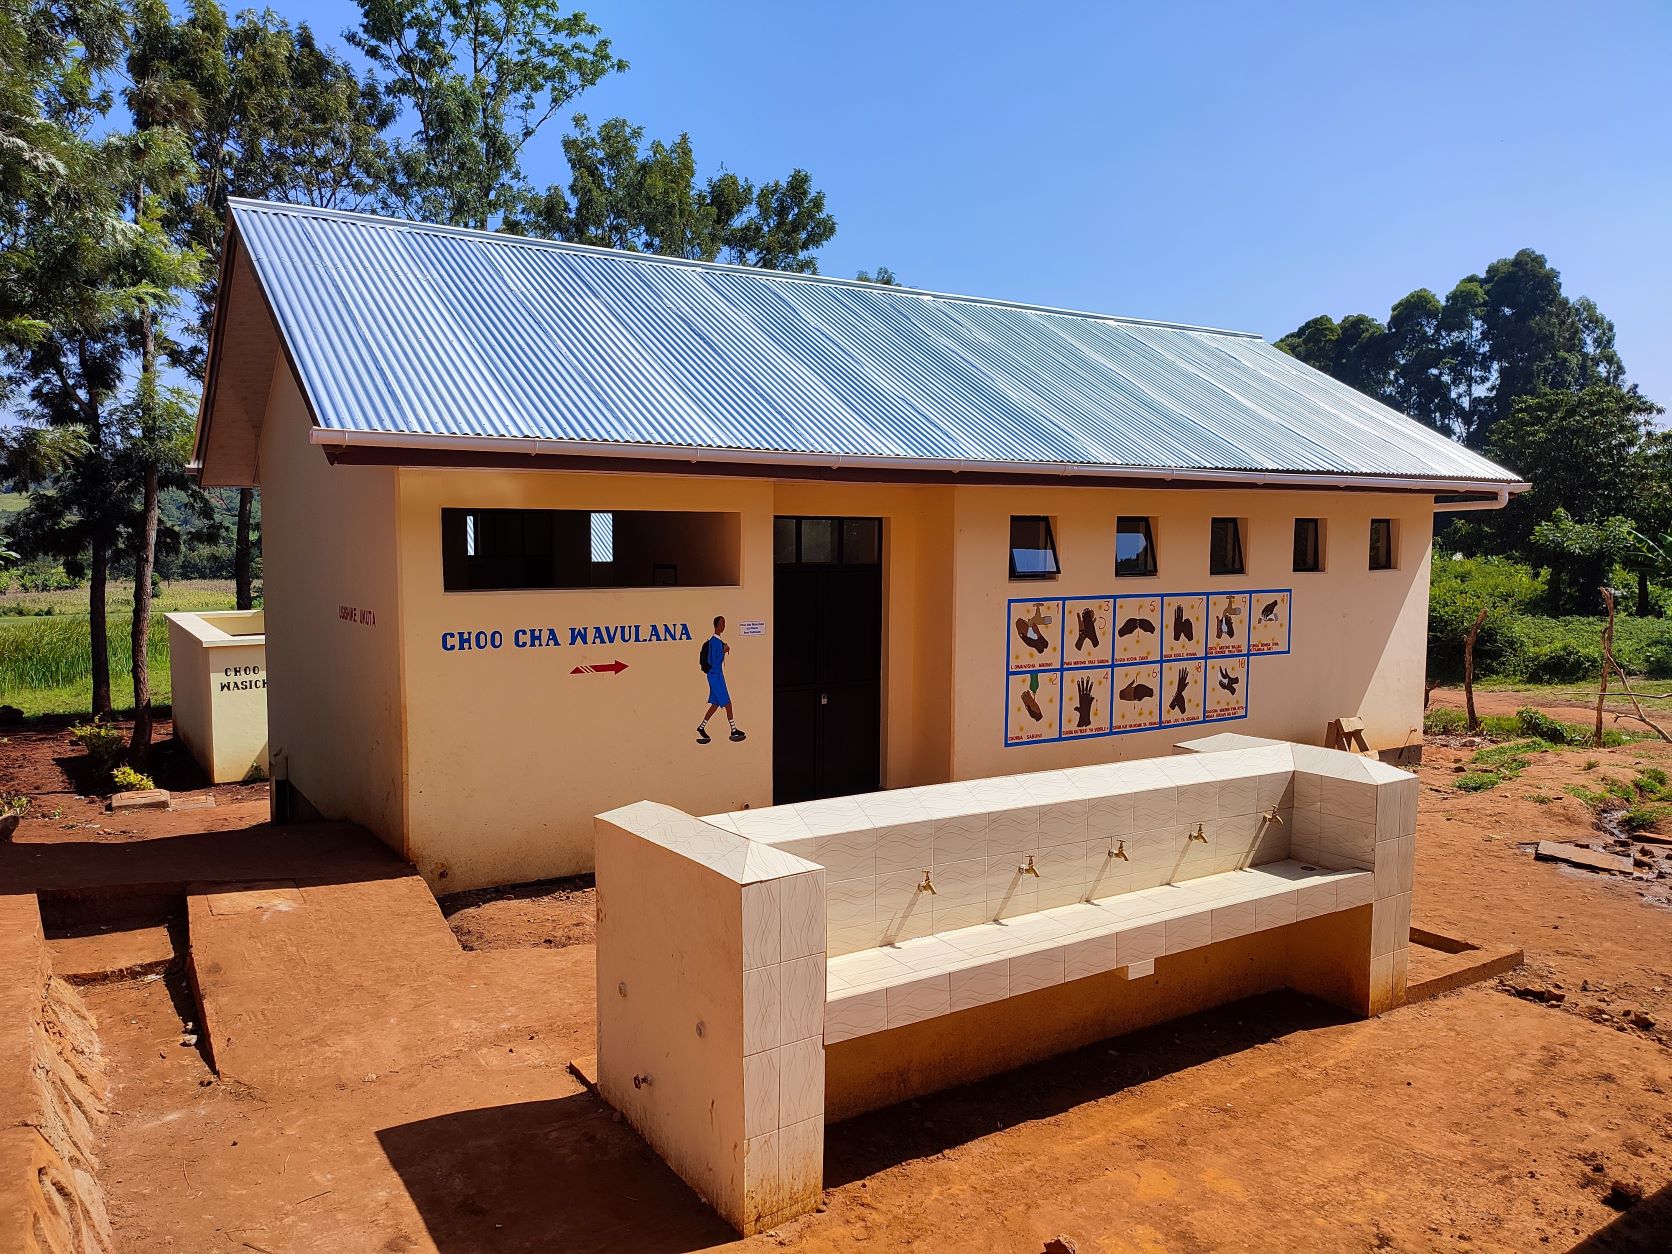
column 1494, row 1118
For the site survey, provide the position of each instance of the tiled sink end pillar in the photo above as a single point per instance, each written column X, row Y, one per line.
column 711, row 993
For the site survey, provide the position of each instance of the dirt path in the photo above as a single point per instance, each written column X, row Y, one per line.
column 1496, row 1118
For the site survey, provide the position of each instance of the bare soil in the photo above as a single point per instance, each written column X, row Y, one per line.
column 1527, row 1113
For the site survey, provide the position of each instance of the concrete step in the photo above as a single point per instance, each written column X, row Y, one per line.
column 104, row 957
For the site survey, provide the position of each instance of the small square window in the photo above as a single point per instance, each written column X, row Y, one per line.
column 1033, row 548
column 1309, row 544
column 818, row 541
column 1225, row 547
column 1384, row 545
column 1134, row 546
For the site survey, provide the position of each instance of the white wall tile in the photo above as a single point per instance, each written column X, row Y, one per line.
column 847, row 855
column 904, row 847
column 801, row 1159
column 1276, row 910
column 1395, row 866
column 1355, row 890
column 801, row 922
column 1040, row 969
column 1154, row 808
column 1349, row 799
column 801, row 992
column 760, row 924
column 801, row 1081
column 1390, row 927
column 978, row 983
column 762, row 1009
column 760, row 1093
column 1109, row 816
column 960, row 838
column 855, row 1014
column 1187, row 931
column 1142, row 942
column 1232, row 921
column 919, row 999
column 1090, row 956
column 761, row 1181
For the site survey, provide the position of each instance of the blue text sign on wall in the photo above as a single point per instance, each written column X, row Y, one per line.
column 486, row 639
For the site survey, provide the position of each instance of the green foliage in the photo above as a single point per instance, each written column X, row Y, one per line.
column 479, row 78
column 884, row 277
column 18, row 805
column 1540, row 726
column 1643, row 818
column 1444, row 720
column 46, row 654
column 1642, row 803
column 1477, row 781
column 127, row 779
column 1459, row 365
column 102, row 743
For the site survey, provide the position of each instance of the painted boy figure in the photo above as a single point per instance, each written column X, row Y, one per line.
column 714, row 663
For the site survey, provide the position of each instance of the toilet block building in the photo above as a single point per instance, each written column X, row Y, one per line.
column 544, row 523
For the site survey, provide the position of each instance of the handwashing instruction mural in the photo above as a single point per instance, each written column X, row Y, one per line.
column 1105, row 665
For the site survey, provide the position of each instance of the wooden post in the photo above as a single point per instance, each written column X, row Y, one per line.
column 1469, row 671
column 1607, row 664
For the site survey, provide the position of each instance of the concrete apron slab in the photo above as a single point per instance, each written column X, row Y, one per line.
column 303, row 984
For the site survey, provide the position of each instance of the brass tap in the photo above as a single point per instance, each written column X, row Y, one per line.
column 1029, row 868
column 1199, row 834
column 1272, row 816
column 1119, row 851
column 928, row 884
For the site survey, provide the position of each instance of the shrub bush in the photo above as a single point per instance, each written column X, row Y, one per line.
column 1443, row 720
column 127, row 779
column 105, row 745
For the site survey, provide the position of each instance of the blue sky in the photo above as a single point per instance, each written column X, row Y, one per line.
column 1233, row 165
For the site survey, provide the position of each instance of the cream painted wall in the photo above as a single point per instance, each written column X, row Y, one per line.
column 1359, row 636
column 218, row 673
column 510, row 754
column 329, row 565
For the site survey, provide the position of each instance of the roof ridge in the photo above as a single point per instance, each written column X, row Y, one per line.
column 237, row 203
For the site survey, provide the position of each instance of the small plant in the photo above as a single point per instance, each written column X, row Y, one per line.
column 1539, row 798
column 1591, row 764
column 1642, row 818
column 104, row 745
column 1477, row 781
column 1443, row 720
column 255, row 775
column 129, row 780
column 13, row 805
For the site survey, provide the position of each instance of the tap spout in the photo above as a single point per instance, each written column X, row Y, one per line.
column 1028, row 868
column 1119, row 851
column 928, row 884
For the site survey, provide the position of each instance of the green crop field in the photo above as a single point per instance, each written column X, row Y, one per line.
column 46, row 658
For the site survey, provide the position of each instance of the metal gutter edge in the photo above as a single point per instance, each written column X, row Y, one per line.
column 836, row 461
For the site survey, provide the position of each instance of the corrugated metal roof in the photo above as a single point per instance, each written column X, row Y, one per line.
column 412, row 330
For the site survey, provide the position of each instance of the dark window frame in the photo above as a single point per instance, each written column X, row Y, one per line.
column 1238, row 559
column 842, row 532
column 1050, row 546
column 543, row 549
column 1391, row 556
column 1148, row 557
column 1317, row 547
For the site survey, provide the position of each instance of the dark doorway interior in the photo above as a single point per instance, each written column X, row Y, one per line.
column 827, row 657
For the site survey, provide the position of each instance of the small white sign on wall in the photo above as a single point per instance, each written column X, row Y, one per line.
column 752, row 627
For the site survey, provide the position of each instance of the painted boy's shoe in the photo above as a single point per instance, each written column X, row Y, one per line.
column 736, row 735
column 702, row 736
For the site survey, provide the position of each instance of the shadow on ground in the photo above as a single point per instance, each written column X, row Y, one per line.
column 545, row 1176
column 868, row 1144
column 1646, row 1228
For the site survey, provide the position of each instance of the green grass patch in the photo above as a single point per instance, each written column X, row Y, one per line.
column 180, row 594
column 46, row 664
column 1477, row 781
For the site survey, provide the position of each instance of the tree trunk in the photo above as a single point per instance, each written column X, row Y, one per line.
column 1643, row 594
column 1607, row 663
column 145, row 553
column 1469, row 671
column 98, row 626
column 241, row 550
column 145, row 548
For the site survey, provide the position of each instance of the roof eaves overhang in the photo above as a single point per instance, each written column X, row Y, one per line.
column 413, row 449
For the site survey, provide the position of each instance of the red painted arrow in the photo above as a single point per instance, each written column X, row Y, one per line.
column 615, row 667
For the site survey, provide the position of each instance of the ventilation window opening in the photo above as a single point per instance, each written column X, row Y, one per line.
column 501, row 550
column 1309, row 545
column 603, row 537
column 1384, row 544
column 1134, row 547
column 1225, row 547
column 826, row 541
column 1033, row 548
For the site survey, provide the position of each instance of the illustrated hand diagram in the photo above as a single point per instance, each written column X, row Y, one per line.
column 1135, row 691
column 1029, row 630
column 1087, row 619
column 1225, row 622
column 1177, row 703
column 1082, row 707
column 1032, row 706
column 1268, row 612
column 1183, row 628
column 1228, row 681
column 1136, row 624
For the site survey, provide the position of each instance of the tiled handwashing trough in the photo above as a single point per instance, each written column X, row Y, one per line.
column 735, row 951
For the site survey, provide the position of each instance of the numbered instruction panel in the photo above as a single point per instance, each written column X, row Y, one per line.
column 1102, row 665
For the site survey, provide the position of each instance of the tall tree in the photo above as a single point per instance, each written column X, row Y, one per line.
column 1461, row 366
column 269, row 113
column 624, row 193
column 480, row 78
